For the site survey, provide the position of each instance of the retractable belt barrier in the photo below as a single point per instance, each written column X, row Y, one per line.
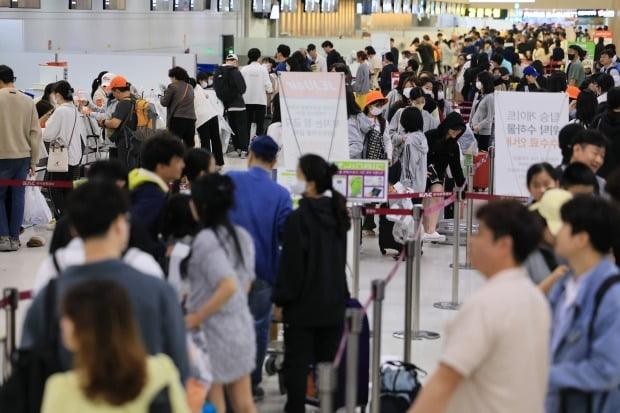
column 10, row 302
column 31, row 182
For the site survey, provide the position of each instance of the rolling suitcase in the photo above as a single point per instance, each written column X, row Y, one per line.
column 363, row 370
column 481, row 176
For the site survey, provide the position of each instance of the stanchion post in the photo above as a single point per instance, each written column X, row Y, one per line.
column 412, row 290
column 356, row 215
column 491, row 170
column 327, row 387
column 378, row 293
column 454, row 303
column 471, row 171
column 354, row 320
column 12, row 295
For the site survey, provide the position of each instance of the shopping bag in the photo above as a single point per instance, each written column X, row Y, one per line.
column 36, row 210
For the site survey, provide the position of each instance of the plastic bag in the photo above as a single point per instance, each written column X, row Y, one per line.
column 403, row 229
column 36, row 210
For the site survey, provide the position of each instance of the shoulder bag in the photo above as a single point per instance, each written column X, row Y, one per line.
column 58, row 159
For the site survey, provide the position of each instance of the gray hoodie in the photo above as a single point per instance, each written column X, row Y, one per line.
column 413, row 162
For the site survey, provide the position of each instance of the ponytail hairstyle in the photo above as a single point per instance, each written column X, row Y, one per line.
column 317, row 170
column 213, row 196
column 97, row 83
column 64, row 89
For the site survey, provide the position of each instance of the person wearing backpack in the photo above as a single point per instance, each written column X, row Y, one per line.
column 230, row 86
column 179, row 99
column 609, row 66
column 123, row 122
column 585, row 335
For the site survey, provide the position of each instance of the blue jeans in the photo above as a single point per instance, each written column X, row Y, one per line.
column 11, row 219
column 260, row 307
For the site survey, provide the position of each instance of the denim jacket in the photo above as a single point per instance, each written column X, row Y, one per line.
column 585, row 371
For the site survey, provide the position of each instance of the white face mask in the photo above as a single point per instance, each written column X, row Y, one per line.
column 407, row 92
column 298, row 187
column 267, row 66
column 428, row 92
column 204, row 84
column 375, row 110
column 53, row 100
column 440, row 95
column 479, row 86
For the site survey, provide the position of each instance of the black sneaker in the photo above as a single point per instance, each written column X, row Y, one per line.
column 258, row 394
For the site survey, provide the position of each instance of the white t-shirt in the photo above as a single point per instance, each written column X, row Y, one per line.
column 73, row 254
column 499, row 342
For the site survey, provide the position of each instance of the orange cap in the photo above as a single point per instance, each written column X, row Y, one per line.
column 573, row 92
column 117, row 82
column 374, row 96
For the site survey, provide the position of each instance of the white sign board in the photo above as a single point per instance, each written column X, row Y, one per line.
column 526, row 132
column 314, row 116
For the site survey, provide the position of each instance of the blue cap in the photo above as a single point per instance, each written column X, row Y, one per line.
column 530, row 71
column 265, row 147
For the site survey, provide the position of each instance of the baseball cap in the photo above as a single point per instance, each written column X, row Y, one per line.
column 107, row 78
column 573, row 92
column 530, row 71
column 549, row 208
column 118, row 82
column 265, row 147
column 232, row 56
column 374, row 96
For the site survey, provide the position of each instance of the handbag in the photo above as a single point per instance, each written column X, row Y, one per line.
column 58, row 158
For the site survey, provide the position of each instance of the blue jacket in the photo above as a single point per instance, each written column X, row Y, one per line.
column 579, row 364
column 261, row 208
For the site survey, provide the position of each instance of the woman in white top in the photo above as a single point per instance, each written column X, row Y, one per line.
column 542, row 53
column 64, row 129
column 207, row 124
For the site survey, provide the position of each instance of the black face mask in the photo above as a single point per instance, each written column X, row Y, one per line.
column 571, row 56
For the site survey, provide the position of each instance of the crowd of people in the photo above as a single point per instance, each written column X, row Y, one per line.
column 158, row 257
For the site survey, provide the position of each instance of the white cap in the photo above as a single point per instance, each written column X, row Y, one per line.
column 107, row 78
column 232, row 56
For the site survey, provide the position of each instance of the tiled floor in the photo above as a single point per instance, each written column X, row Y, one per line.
column 18, row 270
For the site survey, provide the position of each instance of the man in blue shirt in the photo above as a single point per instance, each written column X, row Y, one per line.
column 261, row 207
column 585, row 362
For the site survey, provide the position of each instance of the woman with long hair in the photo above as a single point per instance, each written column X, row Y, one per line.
column 64, row 128
column 483, row 111
column 112, row 370
column 220, row 271
column 311, row 290
column 361, row 86
column 542, row 52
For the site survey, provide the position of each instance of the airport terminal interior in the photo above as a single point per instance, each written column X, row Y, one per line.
column 284, row 157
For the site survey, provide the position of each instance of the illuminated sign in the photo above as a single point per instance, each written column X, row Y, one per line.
column 595, row 13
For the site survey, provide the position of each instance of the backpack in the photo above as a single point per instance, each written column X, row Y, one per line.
column 399, row 386
column 224, row 86
column 373, row 143
column 146, row 116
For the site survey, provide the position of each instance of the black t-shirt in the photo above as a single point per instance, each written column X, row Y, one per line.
column 123, row 112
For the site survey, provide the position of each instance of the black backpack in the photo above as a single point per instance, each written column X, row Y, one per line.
column 23, row 391
column 373, row 143
column 224, row 86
